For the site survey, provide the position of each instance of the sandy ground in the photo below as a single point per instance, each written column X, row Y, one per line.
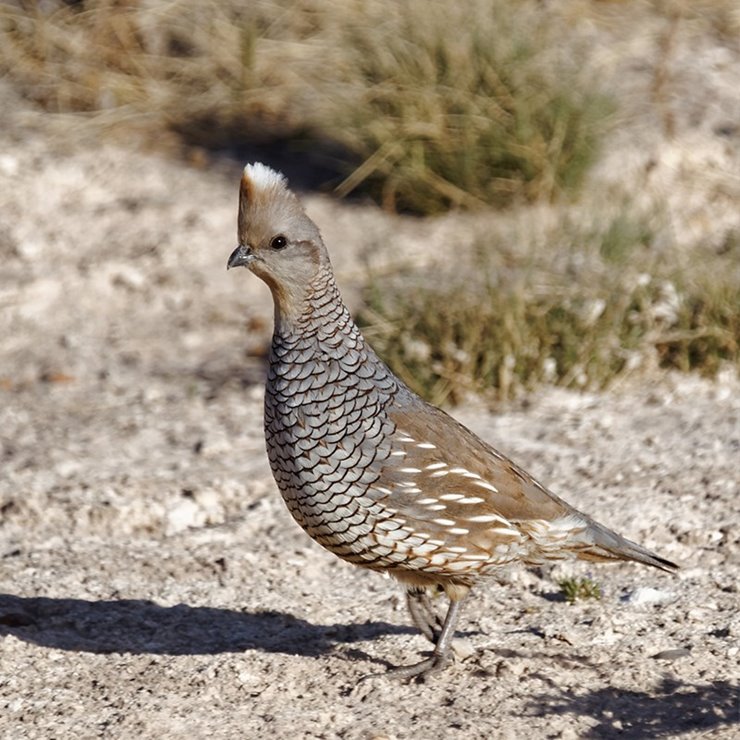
column 152, row 583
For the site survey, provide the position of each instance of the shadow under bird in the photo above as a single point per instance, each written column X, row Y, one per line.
column 372, row 472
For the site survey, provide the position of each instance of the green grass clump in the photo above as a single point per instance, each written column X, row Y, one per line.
column 500, row 321
column 579, row 589
column 484, row 114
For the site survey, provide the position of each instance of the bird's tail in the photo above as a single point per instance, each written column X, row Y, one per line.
column 609, row 545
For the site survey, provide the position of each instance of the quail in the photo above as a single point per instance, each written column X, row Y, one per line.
column 367, row 468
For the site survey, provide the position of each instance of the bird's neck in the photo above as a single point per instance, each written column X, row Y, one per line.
column 316, row 317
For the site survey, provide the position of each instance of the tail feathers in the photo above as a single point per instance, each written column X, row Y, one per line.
column 614, row 546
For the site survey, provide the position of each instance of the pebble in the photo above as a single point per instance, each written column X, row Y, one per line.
column 29, row 249
column 183, row 515
column 9, row 165
column 672, row 654
column 68, row 468
column 506, row 668
column 127, row 276
column 247, row 678
column 697, row 614
column 645, row 595
column 568, row 734
column 463, row 648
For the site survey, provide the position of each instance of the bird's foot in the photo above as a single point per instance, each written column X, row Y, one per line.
column 417, row 671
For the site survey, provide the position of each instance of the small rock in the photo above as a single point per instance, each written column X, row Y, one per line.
column 29, row 249
column 127, row 276
column 508, row 668
column 183, row 515
column 247, row 678
column 9, row 165
column 673, row 654
column 67, row 468
column 697, row 614
column 503, row 669
column 645, row 595
column 568, row 734
column 463, row 648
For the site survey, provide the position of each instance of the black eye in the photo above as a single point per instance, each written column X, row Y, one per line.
column 278, row 242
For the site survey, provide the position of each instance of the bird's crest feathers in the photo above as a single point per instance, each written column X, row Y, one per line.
column 266, row 205
column 260, row 179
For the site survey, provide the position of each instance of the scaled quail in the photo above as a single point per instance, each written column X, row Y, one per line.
column 371, row 471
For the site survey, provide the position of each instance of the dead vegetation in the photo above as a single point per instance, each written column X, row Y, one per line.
column 420, row 117
column 598, row 302
column 506, row 110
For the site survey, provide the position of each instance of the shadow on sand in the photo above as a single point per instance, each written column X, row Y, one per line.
column 138, row 626
column 670, row 710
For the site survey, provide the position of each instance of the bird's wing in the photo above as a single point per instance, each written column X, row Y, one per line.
column 441, row 474
column 456, row 489
column 451, row 459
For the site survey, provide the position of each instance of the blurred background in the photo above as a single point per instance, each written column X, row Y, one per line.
column 532, row 206
column 594, row 145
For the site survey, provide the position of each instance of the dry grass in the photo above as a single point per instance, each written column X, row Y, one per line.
column 592, row 305
column 431, row 104
column 176, row 65
column 484, row 114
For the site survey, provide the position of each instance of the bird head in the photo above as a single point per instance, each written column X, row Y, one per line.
column 278, row 242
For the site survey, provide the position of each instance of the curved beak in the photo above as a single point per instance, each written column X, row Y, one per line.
column 241, row 256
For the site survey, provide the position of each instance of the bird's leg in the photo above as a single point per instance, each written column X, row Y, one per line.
column 441, row 655
column 422, row 613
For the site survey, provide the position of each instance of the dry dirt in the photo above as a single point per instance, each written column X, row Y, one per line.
column 152, row 583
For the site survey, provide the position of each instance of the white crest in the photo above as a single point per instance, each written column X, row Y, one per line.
column 263, row 177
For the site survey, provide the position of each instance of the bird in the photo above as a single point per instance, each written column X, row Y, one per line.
column 371, row 471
